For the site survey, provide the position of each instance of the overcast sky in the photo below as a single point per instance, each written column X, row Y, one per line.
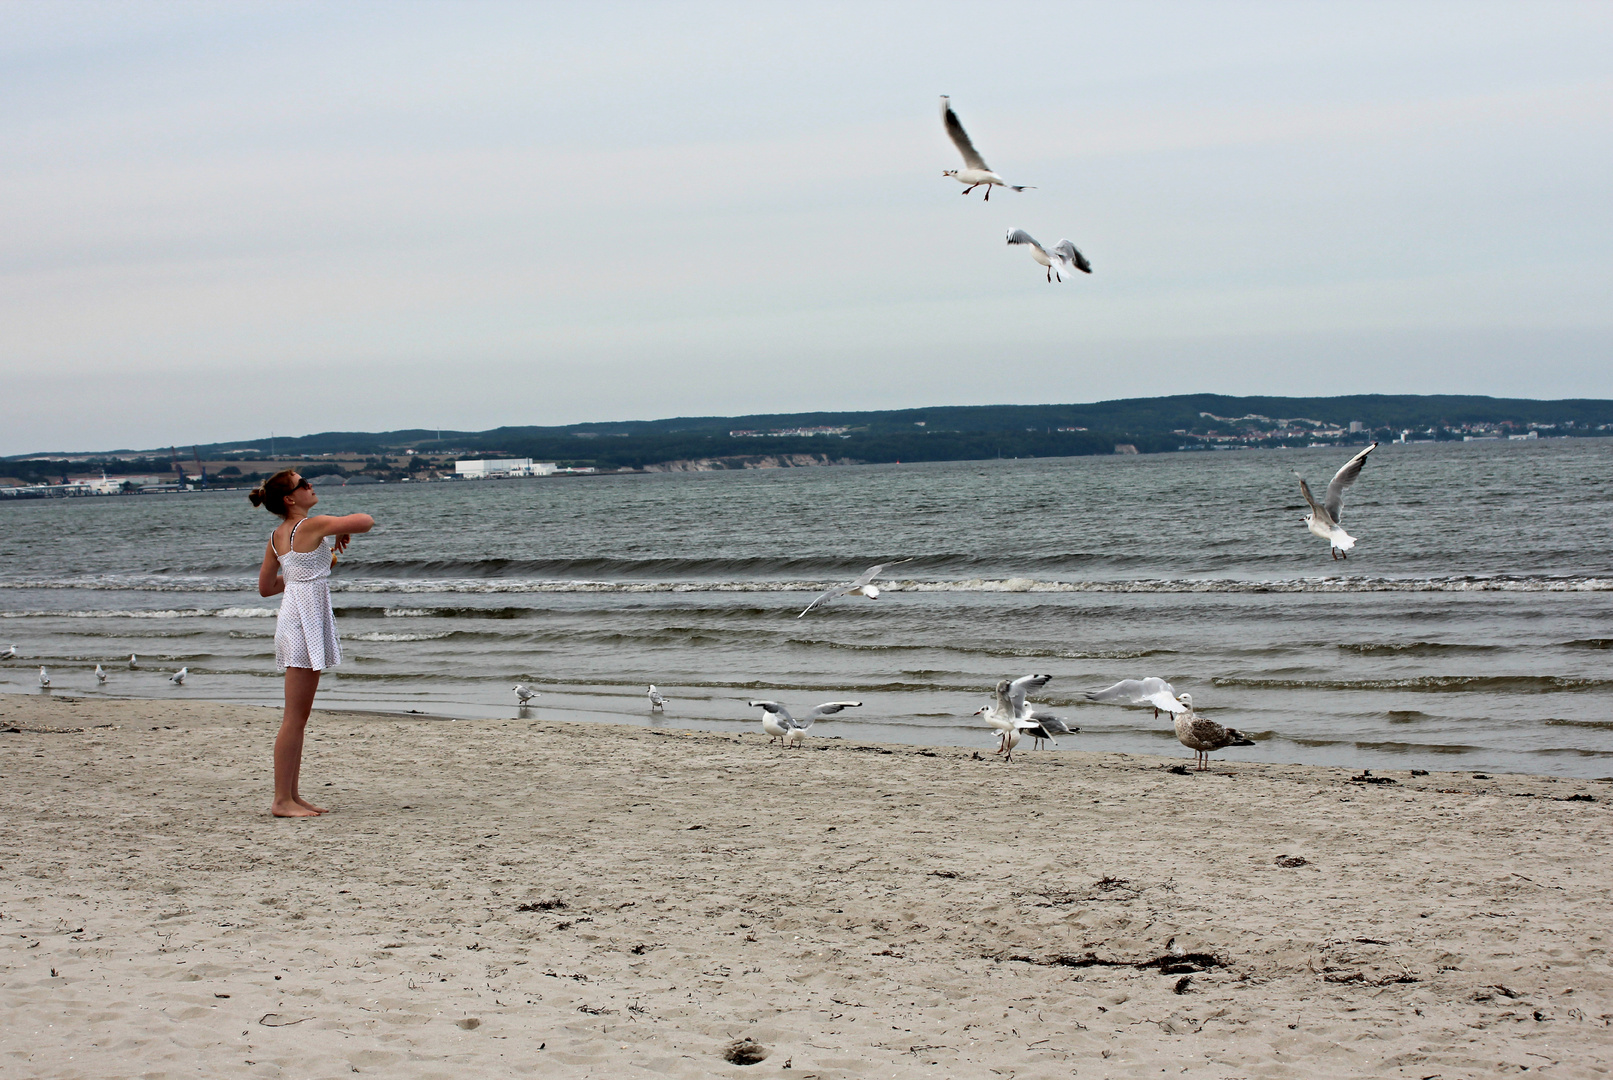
column 218, row 220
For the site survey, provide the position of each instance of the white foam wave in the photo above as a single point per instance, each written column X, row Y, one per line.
column 416, row 586
column 379, row 635
column 166, row 613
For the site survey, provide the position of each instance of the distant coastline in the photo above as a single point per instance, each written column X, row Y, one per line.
column 1181, row 423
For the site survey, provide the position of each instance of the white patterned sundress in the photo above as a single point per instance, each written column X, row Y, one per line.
column 305, row 633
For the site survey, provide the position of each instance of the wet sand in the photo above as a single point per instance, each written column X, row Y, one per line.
column 542, row 897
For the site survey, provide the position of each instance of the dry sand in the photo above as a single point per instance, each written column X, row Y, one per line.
column 549, row 898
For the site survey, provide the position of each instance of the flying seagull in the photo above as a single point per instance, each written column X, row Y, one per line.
column 1323, row 520
column 44, row 676
column 864, row 585
column 657, row 702
column 1062, row 261
column 975, row 172
column 1150, row 691
column 1202, row 735
column 100, row 676
column 779, row 724
column 178, row 677
column 523, row 693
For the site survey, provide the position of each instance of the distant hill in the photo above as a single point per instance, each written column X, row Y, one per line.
column 963, row 432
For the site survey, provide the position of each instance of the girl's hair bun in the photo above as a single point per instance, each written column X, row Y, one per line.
column 272, row 495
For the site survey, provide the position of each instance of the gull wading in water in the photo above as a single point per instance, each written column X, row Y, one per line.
column 657, row 702
column 1150, row 691
column 178, row 677
column 780, row 725
column 864, row 586
column 9, row 654
column 1202, row 735
column 524, row 693
column 133, row 662
column 1063, row 260
column 44, row 676
column 1323, row 520
column 100, row 676
column 976, row 172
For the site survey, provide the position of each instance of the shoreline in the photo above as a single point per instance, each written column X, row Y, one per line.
column 551, row 897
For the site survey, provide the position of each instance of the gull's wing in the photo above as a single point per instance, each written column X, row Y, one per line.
column 867, row 578
column 1067, row 253
column 824, row 597
column 870, row 574
column 1164, row 702
column 1053, row 725
column 960, row 137
column 1020, row 236
column 1022, row 686
column 1005, row 704
column 1343, row 479
column 829, row 708
column 1316, row 508
column 1152, row 691
column 772, row 707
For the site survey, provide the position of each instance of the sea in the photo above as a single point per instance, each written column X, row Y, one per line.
column 1470, row 629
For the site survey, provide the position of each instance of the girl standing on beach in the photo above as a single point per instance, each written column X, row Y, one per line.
column 298, row 560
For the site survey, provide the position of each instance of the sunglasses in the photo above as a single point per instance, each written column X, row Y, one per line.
column 302, row 482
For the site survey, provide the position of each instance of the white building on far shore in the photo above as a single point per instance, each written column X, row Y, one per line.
column 482, row 470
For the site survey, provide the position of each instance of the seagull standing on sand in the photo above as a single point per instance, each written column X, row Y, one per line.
column 864, row 585
column 44, row 676
column 100, row 676
column 1323, row 520
column 1202, row 735
column 657, row 702
column 976, row 172
column 178, row 677
column 1150, row 691
column 523, row 693
column 779, row 724
column 1014, row 717
column 1063, row 260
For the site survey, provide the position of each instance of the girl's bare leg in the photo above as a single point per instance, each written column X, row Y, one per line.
column 301, row 683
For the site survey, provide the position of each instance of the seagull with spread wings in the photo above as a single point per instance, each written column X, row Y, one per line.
column 1323, row 520
column 791, row 731
column 976, row 172
column 1062, row 261
column 1152, row 691
column 863, row 586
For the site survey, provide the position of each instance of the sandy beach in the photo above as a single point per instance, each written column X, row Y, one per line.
column 552, row 898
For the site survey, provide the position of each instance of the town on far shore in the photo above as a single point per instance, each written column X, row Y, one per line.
column 951, row 433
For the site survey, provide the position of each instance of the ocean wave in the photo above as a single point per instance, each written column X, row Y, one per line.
column 1414, row 648
column 166, row 613
column 381, row 635
column 1500, row 684
column 780, row 584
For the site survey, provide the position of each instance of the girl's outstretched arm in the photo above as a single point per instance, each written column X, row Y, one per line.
column 317, row 528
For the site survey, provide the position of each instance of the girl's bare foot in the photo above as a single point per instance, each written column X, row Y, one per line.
column 292, row 809
column 304, row 803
